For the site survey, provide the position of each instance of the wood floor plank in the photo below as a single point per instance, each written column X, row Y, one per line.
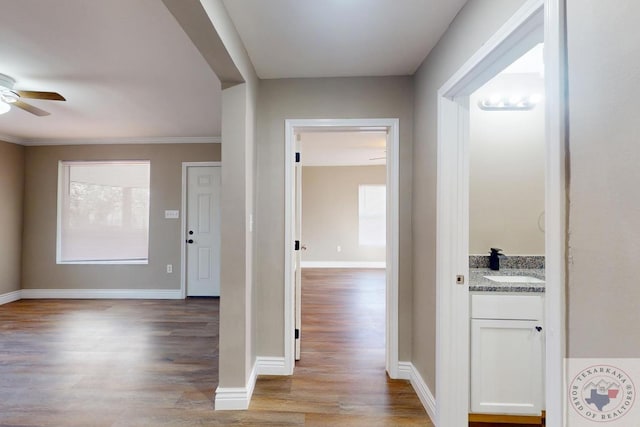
column 118, row 363
column 340, row 379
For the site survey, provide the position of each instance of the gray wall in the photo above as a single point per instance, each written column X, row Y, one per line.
column 210, row 28
column 333, row 98
column 473, row 26
column 330, row 212
column 11, row 194
column 604, row 223
column 506, row 181
column 39, row 268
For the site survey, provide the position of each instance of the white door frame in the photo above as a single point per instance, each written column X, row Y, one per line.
column 393, row 230
column 534, row 18
column 183, row 223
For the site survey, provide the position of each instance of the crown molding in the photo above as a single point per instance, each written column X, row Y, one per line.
column 10, row 139
column 106, row 141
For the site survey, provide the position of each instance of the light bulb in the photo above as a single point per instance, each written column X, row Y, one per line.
column 514, row 100
column 4, row 108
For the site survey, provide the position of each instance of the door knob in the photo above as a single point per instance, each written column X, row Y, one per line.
column 190, row 241
column 190, row 232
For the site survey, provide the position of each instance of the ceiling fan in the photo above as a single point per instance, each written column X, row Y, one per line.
column 10, row 96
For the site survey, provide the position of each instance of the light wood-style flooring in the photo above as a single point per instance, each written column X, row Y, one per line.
column 340, row 379
column 154, row 363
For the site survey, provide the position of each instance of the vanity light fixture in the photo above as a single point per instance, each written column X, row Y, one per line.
column 498, row 102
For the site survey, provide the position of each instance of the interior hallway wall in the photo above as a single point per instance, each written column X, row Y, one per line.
column 322, row 98
column 39, row 268
column 11, row 197
column 330, row 213
column 604, row 221
column 474, row 25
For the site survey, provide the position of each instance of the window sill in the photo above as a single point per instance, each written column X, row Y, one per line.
column 118, row 262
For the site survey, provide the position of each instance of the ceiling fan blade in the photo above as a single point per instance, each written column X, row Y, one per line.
column 30, row 108
column 49, row 96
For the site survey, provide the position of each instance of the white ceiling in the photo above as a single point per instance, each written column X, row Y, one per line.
column 350, row 148
column 329, row 38
column 126, row 67
column 131, row 74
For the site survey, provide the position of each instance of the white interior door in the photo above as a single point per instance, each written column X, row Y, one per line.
column 203, row 231
column 298, row 252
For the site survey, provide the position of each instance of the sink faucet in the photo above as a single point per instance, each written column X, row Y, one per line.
column 494, row 258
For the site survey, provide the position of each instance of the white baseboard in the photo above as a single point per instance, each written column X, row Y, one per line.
column 236, row 398
column 343, row 264
column 101, row 294
column 10, row 297
column 271, row 366
column 407, row 371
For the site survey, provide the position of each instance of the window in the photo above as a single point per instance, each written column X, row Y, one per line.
column 103, row 212
column 372, row 215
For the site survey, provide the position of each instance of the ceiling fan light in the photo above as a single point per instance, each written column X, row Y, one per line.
column 9, row 96
column 4, row 107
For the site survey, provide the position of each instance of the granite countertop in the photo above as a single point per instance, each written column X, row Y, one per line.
column 477, row 282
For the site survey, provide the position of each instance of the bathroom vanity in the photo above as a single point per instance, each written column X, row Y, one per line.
column 507, row 341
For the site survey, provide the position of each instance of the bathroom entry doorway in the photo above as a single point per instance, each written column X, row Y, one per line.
column 506, row 234
column 297, row 131
column 535, row 22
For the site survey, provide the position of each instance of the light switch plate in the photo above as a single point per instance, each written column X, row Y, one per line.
column 172, row 214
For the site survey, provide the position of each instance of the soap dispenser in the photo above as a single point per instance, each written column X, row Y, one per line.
column 494, row 258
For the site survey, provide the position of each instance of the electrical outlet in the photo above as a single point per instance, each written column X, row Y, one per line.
column 169, row 268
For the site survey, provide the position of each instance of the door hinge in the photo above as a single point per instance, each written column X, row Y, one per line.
column 297, row 245
column 297, row 157
column 297, row 333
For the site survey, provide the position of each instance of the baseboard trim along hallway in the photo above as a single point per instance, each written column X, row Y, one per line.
column 271, row 366
column 236, row 398
column 407, row 371
column 101, row 294
column 343, row 264
column 9, row 297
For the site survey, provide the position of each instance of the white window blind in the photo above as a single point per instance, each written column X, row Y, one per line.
column 372, row 209
column 103, row 212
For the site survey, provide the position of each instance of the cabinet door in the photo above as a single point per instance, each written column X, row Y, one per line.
column 506, row 367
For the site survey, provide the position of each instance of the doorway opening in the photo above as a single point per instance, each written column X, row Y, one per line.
column 506, row 240
column 341, row 226
column 293, row 228
column 535, row 22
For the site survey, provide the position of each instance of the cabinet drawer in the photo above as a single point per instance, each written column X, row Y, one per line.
column 520, row 307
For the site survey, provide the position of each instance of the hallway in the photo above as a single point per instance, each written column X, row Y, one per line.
column 341, row 379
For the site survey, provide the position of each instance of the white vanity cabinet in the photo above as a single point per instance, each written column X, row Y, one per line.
column 507, row 353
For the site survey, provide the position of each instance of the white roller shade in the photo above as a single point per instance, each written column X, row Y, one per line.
column 103, row 212
column 372, row 205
